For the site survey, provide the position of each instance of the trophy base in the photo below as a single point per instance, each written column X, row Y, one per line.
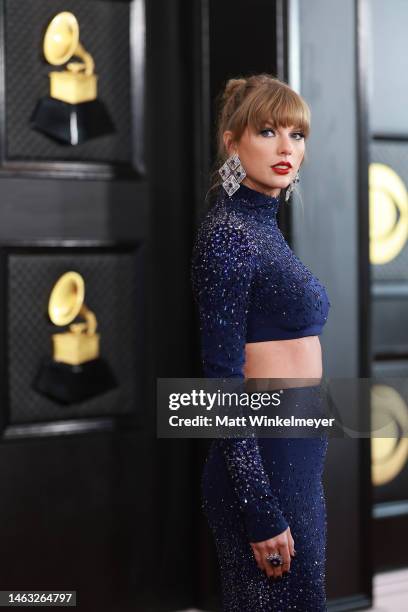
column 69, row 384
column 71, row 124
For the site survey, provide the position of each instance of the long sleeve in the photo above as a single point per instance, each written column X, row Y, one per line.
column 223, row 268
column 222, row 273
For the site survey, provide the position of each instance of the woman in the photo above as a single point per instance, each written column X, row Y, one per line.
column 261, row 312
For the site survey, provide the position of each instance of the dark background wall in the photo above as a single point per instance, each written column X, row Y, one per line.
column 346, row 73
column 326, row 236
column 117, row 513
column 77, row 510
column 388, row 145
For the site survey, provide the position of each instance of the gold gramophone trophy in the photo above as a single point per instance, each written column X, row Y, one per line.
column 72, row 113
column 76, row 371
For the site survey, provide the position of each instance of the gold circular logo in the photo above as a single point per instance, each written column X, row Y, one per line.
column 388, row 211
column 389, row 416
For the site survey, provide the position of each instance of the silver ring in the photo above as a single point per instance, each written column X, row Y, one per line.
column 274, row 559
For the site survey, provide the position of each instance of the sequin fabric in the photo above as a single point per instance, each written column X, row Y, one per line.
column 293, row 467
column 249, row 286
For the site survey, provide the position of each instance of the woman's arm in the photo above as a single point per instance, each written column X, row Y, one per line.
column 222, row 273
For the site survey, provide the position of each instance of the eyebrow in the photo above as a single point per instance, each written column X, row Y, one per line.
column 268, row 126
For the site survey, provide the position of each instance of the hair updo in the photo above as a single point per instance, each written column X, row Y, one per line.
column 255, row 101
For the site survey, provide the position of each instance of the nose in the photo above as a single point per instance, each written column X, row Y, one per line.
column 285, row 145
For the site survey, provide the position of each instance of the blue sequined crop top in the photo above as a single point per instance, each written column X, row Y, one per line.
column 248, row 283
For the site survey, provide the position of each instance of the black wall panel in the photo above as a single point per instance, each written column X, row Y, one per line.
column 78, row 507
column 113, row 291
column 104, row 32
column 388, row 146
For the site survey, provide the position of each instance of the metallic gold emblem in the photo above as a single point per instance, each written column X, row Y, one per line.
column 389, row 415
column 81, row 342
column 77, row 83
column 388, row 201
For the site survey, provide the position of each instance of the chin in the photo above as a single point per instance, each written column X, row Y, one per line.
column 278, row 184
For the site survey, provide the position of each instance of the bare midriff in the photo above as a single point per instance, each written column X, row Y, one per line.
column 299, row 359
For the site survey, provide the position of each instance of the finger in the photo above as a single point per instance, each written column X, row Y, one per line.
column 280, row 570
column 260, row 552
column 284, row 551
column 268, row 568
column 272, row 571
column 263, row 551
column 291, row 544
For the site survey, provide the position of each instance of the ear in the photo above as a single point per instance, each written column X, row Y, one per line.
column 229, row 144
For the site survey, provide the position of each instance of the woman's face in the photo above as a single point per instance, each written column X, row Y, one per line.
column 259, row 151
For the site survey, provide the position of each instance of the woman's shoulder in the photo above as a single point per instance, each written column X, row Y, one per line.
column 222, row 226
column 222, row 250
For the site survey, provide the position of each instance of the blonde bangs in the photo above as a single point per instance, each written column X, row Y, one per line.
column 277, row 107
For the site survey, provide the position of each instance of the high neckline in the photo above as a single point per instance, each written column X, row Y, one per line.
column 252, row 200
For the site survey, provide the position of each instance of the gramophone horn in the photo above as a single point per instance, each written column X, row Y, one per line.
column 66, row 299
column 61, row 38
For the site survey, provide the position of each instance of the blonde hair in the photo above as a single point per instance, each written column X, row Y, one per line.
column 256, row 101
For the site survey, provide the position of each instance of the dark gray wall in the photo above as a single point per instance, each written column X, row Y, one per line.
column 325, row 237
column 34, row 209
column 389, row 63
column 110, row 513
column 325, row 221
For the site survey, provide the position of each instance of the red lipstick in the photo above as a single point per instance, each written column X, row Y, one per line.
column 282, row 167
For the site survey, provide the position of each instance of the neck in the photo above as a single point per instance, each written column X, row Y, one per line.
column 253, row 202
column 272, row 192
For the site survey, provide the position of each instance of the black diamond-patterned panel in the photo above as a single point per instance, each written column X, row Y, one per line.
column 113, row 292
column 395, row 155
column 104, row 32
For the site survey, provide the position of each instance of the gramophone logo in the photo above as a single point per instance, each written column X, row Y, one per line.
column 76, row 371
column 72, row 113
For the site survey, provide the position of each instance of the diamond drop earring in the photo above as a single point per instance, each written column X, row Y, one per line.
column 232, row 174
column 291, row 187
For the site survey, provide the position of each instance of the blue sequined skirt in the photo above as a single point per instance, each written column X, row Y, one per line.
column 295, row 468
